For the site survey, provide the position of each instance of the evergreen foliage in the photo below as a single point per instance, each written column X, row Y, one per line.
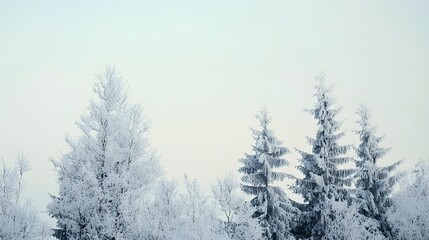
column 374, row 183
column 324, row 177
column 106, row 182
column 274, row 209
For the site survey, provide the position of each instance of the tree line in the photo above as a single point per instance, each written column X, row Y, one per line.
column 112, row 187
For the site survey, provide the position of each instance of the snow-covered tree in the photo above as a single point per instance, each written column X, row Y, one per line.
column 374, row 183
column 274, row 209
column 179, row 215
column 108, row 169
column 236, row 212
column 227, row 197
column 408, row 215
column 345, row 222
column 199, row 219
column 245, row 226
column 18, row 220
column 324, row 174
column 163, row 215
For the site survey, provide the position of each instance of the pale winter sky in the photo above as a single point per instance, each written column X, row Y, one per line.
column 203, row 68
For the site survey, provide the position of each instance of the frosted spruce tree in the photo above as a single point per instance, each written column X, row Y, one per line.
column 374, row 183
column 324, row 177
column 274, row 209
column 108, row 169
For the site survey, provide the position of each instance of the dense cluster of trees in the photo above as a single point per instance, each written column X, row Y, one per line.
column 18, row 219
column 111, row 185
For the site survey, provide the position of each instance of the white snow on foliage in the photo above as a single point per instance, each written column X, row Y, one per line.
column 409, row 215
column 18, row 219
column 108, row 170
column 273, row 208
column 111, row 186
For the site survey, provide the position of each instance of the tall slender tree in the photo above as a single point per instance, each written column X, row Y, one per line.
column 274, row 210
column 374, row 183
column 324, row 177
column 108, row 169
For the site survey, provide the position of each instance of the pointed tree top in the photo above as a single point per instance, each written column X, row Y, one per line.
column 364, row 113
column 109, row 87
column 323, row 92
column 263, row 117
column 320, row 82
column 364, row 121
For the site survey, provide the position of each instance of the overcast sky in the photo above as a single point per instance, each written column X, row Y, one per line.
column 203, row 69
